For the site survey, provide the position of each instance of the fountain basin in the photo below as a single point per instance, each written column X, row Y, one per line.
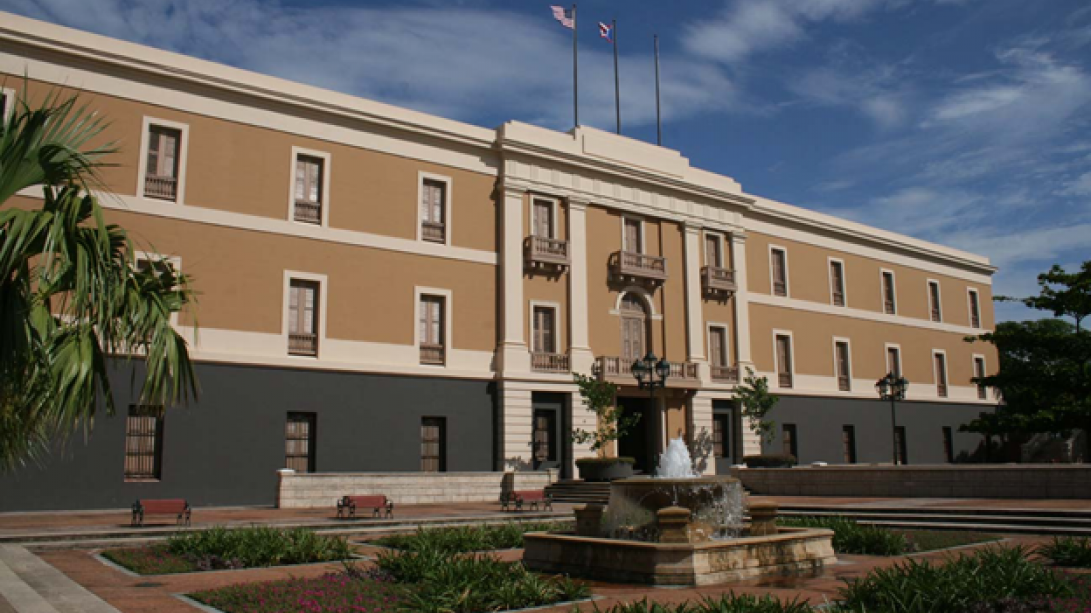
column 714, row 501
column 789, row 551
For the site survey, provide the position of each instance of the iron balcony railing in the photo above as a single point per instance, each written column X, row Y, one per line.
column 308, row 212
column 433, row 231
column 613, row 367
column 302, row 344
column 725, row 374
column 165, row 188
column 718, row 279
column 784, row 379
column 639, row 266
column 539, row 250
column 432, row 354
column 549, row 362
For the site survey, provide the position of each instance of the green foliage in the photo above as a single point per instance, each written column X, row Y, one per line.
column 1045, row 366
column 612, row 423
column 1068, row 551
column 152, row 560
column 463, row 539
column 756, row 400
column 851, row 537
column 770, row 460
column 331, row 593
column 260, row 546
column 70, row 292
column 987, row 576
column 728, row 603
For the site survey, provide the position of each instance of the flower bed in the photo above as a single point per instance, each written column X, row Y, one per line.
column 332, row 593
column 222, row 549
column 464, row 539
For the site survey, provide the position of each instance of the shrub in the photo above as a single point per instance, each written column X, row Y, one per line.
column 728, row 603
column 464, row 539
column 770, row 460
column 257, row 546
column 987, row 578
column 1068, row 551
column 851, row 537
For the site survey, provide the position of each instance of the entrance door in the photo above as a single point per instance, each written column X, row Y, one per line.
column 723, row 435
column 638, row 443
column 545, row 439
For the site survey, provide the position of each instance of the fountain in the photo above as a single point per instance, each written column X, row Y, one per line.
column 677, row 528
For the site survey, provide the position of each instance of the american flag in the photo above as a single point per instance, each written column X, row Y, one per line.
column 606, row 32
column 564, row 16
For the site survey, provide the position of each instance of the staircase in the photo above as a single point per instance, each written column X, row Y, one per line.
column 579, row 492
column 1009, row 521
column 30, row 585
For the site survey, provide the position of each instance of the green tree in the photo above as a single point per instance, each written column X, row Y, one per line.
column 756, row 401
column 71, row 294
column 1044, row 376
column 611, row 421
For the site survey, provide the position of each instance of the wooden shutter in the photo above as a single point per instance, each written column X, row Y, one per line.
column 308, row 179
column 632, row 236
column 893, row 361
column 299, row 442
column 848, row 444
column 543, row 218
column 431, row 320
column 837, row 280
column 979, row 372
column 843, row 373
column 544, row 335
column 933, row 299
column 433, row 444
column 780, row 273
column 717, row 346
column 720, row 433
column 889, row 304
column 975, row 311
column 303, row 307
column 790, row 445
column 784, row 361
column 144, row 442
column 163, row 152
column 712, row 251
column 941, row 375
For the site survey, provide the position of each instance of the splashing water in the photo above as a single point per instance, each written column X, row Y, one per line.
column 676, row 463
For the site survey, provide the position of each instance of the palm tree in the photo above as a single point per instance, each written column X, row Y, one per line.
column 71, row 293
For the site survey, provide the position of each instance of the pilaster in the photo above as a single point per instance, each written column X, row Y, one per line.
column 580, row 355
column 514, row 356
column 516, row 427
column 695, row 320
column 701, row 429
column 742, row 303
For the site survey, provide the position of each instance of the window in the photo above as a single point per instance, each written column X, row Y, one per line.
column 633, row 235
column 310, row 188
column 848, row 444
column 432, row 330
column 894, row 361
column 721, row 435
column 543, row 224
column 837, row 283
column 433, row 444
column 933, row 301
column 714, row 253
column 433, row 210
column 975, row 310
column 784, row 360
column 161, row 172
column 303, row 317
column 979, row 372
column 900, row 455
column 941, row 374
column 789, row 441
column 545, row 441
column 7, row 103
column 299, row 448
column 948, row 445
column 144, row 443
column 544, row 328
column 890, row 306
column 717, row 346
column 779, row 262
column 634, row 328
column 844, row 371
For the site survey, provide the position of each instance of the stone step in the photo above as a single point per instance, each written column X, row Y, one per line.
column 31, row 585
column 990, row 510
column 1074, row 522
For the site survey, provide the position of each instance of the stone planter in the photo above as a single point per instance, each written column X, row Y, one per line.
column 605, row 470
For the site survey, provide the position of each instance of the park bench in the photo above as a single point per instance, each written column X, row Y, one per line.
column 171, row 506
column 379, row 504
column 532, row 498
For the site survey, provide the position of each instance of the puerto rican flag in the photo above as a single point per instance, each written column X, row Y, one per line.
column 606, row 32
column 564, row 16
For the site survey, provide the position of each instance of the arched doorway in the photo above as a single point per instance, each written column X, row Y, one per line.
column 634, row 328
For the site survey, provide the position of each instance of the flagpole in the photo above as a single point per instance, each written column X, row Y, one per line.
column 575, row 70
column 617, row 79
column 658, row 120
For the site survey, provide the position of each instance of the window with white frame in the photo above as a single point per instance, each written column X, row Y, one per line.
column 303, row 317
column 544, row 328
column 842, row 361
column 163, row 162
column 934, row 309
column 894, row 360
column 633, row 235
column 714, row 250
column 940, row 368
column 975, row 309
column 979, row 373
column 310, row 188
column 784, row 359
column 432, row 322
column 837, row 283
column 543, row 218
column 890, row 301
column 717, row 346
column 433, row 209
column 778, row 260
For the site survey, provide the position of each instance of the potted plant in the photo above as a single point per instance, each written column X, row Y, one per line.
column 611, row 424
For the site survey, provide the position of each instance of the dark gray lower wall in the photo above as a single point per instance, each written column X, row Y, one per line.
column 819, row 422
column 226, row 448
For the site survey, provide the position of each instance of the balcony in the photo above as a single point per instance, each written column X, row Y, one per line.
column 725, row 374
column 620, row 371
column 432, row 354
column 308, row 212
column 549, row 362
column 638, row 266
column 433, row 231
column 542, row 252
column 303, row 344
column 164, row 188
column 718, row 279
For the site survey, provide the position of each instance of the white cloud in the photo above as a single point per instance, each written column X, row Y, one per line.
column 1081, row 186
column 869, row 90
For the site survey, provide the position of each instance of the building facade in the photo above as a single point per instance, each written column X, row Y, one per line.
column 384, row 290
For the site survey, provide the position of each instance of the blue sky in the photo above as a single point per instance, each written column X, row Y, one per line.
column 964, row 122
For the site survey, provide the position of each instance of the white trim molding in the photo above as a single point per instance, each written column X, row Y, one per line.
column 448, row 199
column 848, row 344
column 327, row 170
column 844, row 280
column 854, row 313
column 647, row 297
column 554, row 205
column 323, row 291
column 448, row 319
column 935, row 374
column 970, row 310
column 183, row 148
column 787, row 281
column 939, row 299
column 882, row 290
column 791, row 357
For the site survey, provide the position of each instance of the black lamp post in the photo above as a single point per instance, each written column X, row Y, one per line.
column 892, row 388
column 651, row 373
